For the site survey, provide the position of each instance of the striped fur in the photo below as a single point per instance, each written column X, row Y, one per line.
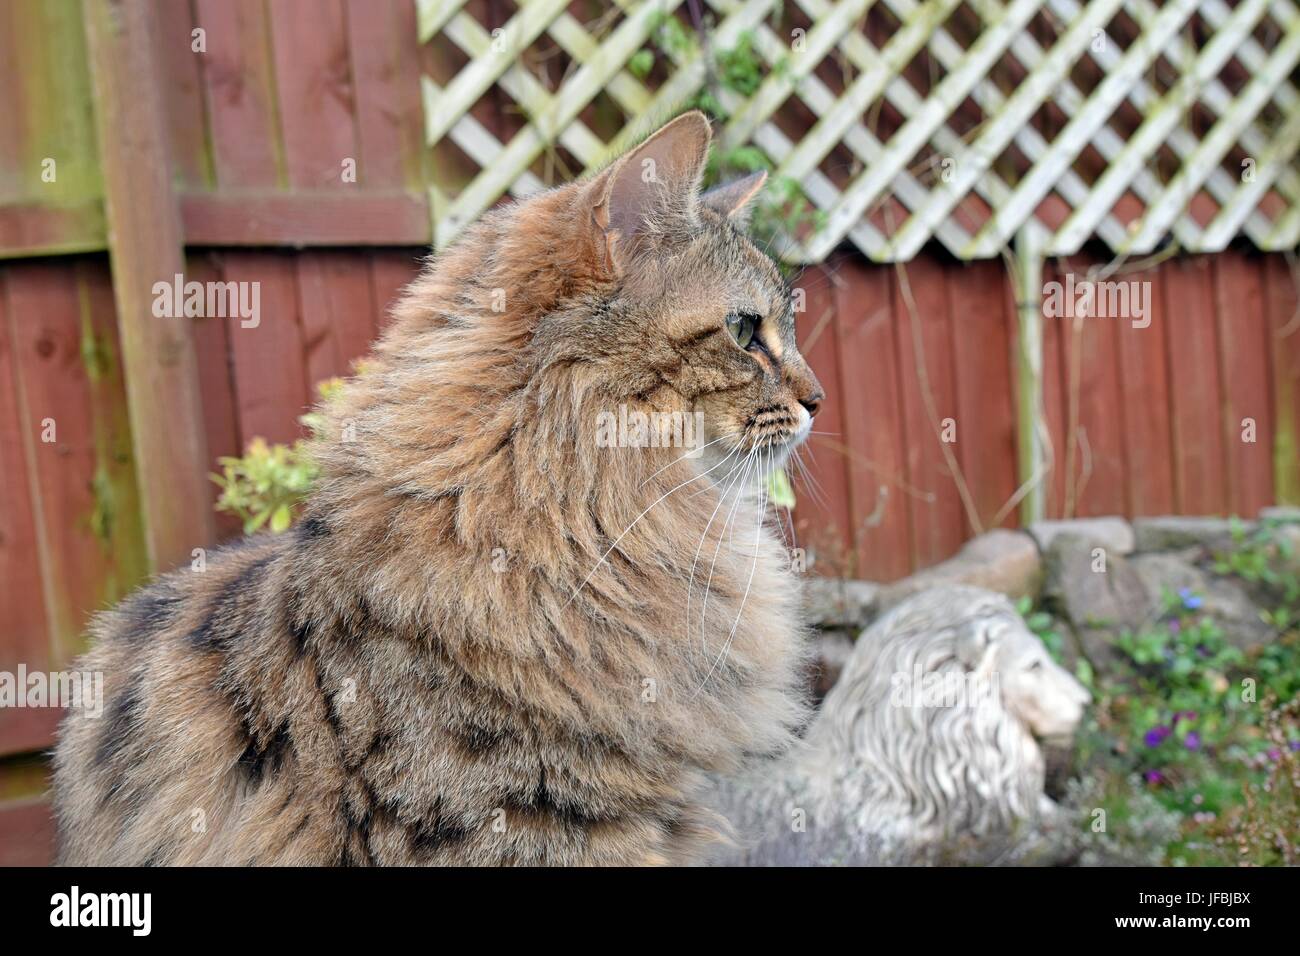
column 435, row 665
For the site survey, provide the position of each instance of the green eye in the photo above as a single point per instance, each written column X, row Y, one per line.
column 741, row 325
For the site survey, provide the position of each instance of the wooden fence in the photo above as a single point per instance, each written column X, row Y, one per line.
column 259, row 126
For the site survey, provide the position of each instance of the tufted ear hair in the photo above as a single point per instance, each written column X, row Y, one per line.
column 732, row 199
column 651, row 189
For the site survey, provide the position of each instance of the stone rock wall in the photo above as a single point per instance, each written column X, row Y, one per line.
column 1098, row 577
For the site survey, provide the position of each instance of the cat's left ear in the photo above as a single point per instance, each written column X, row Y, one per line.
column 733, row 199
column 652, row 190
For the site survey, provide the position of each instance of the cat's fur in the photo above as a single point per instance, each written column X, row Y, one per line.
column 435, row 665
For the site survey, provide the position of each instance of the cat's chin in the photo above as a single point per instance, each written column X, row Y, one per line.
column 781, row 451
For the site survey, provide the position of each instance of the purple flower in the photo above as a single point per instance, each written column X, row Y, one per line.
column 1156, row 735
column 1192, row 741
column 1294, row 745
column 1190, row 601
column 1275, row 755
column 1175, row 627
column 1153, row 776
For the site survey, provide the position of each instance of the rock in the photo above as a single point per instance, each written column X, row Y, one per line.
column 1226, row 601
column 1179, row 531
column 839, row 602
column 1099, row 604
column 999, row 560
column 1114, row 534
column 1280, row 513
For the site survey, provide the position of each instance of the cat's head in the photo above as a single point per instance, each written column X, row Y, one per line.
column 691, row 315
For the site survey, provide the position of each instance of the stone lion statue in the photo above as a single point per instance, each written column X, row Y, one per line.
column 928, row 742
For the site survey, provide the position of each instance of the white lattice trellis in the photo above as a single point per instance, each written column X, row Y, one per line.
column 1125, row 121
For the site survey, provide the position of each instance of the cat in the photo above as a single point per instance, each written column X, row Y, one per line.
column 489, row 639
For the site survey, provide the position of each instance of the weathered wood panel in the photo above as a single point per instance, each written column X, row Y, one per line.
column 825, row 521
column 986, row 423
column 1282, row 309
column 873, row 439
column 929, row 406
column 1247, row 403
column 1144, row 405
column 1196, row 390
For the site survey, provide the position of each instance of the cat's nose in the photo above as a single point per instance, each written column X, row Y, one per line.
column 813, row 402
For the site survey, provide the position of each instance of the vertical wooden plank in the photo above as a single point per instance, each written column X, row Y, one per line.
column 1148, row 438
column 1054, row 402
column 824, row 517
column 183, row 94
column 220, row 416
column 986, row 416
column 1200, row 482
column 1052, row 394
column 390, row 272
column 24, row 639
column 16, row 180
column 52, row 119
column 1282, row 306
column 313, row 81
column 1244, row 364
column 1098, row 468
column 270, row 378
column 336, row 302
column 925, row 361
column 70, row 389
column 382, row 42
column 872, row 429
column 27, row 833
column 145, row 243
column 1033, row 444
column 117, row 521
column 237, row 76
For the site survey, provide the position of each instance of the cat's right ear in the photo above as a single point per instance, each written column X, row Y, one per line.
column 651, row 190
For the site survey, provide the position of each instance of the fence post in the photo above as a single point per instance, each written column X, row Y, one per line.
column 1031, row 431
column 146, row 247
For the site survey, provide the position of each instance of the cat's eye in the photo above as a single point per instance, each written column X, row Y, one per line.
column 742, row 325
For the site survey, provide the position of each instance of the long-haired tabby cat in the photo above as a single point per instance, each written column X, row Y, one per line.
column 491, row 638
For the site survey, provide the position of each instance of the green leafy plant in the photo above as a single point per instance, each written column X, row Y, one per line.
column 779, row 490
column 782, row 209
column 1177, row 717
column 265, row 486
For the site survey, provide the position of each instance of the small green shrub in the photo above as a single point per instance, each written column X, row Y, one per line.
column 265, row 486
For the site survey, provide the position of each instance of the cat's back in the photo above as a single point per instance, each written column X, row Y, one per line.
column 156, row 760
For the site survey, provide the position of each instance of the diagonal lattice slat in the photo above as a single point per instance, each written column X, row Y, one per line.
column 966, row 122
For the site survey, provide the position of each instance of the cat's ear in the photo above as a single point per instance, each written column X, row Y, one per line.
column 652, row 188
column 732, row 199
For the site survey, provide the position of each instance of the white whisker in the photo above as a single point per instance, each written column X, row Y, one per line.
column 732, row 477
column 623, row 533
column 693, row 451
column 758, row 540
column 708, row 585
